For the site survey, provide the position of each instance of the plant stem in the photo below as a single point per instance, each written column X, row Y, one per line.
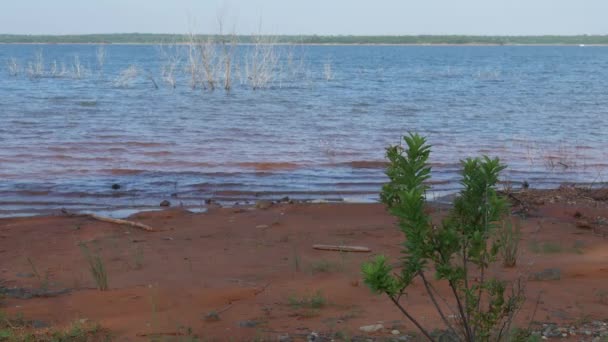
column 432, row 296
column 412, row 319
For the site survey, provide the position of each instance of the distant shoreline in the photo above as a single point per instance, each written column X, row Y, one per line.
column 419, row 40
column 325, row 44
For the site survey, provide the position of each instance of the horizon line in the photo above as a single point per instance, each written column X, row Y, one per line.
column 307, row 34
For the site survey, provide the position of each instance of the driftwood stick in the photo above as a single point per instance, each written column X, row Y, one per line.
column 173, row 333
column 112, row 220
column 355, row 249
column 122, row 222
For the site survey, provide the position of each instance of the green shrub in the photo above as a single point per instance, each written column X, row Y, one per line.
column 459, row 250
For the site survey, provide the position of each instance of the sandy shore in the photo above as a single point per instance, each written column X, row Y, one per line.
column 253, row 266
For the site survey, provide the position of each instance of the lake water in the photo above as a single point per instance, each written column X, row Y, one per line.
column 317, row 130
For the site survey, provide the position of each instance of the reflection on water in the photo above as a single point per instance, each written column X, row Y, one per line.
column 66, row 141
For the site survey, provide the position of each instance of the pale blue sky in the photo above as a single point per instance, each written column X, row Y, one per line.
column 365, row 17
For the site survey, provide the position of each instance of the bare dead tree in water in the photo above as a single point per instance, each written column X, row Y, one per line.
column 35, row 69
column 208, row 57
column 228, row 44
column 77, row 68
column 171, row 54
column 194, row 58
column 13, row 66
column 101, row 54
column 127, row 76
column 261, row 61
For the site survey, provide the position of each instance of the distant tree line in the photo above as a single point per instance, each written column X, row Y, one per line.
column 150, row 38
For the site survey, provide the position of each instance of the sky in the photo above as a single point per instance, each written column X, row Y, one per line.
column 329, row 17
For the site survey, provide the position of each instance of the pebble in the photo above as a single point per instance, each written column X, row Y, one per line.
column 165, row 203
column 25, row 275
column 396, row 332
column 313, row 337
column 248, row 324
column 36, row 324
column 547, row 274
column 285, row 338
column 371, row 328
column 263, row 204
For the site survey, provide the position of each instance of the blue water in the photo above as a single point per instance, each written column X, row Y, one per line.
column 316, row 130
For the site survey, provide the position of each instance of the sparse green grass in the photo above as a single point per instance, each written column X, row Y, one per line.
column 602, row 296
column 578, row 247
column 81, row 333
column 44, row 281
column 137, row 254
column 20, row 330
column 96, row 267
column 523, row 335
column 545, row 247
column 316, row 301
column 342, row 336
column 324, row 266
column 509, row 234
column 556, row 248
column 296, row 260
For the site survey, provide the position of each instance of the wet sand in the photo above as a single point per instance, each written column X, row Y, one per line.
column 250, row 266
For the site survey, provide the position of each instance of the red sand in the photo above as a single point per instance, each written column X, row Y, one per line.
column 244, row 261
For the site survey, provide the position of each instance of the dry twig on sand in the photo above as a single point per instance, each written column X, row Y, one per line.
column 354, row 249
column 112, row 220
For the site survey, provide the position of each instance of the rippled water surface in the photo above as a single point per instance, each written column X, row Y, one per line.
column 66, row 138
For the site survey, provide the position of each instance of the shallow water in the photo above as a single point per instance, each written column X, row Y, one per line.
column 65, row 140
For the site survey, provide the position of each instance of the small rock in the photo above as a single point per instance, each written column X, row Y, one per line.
column 583, row 224
column 313, row 337
column 263, row 204
column 396, row 332
column 83, row 320
column 262, row 226
column 165, row 203
column 551, row 331
column 285, row 338
column 248, row 324
column 546, row 274
column 36, row 324
column 116, row 186
column 371, row 328
column 212, row 317
column 25, row 275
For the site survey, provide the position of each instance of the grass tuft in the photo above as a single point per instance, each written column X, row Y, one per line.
column 509, row 235
column 96, row 267
column 316, row 301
